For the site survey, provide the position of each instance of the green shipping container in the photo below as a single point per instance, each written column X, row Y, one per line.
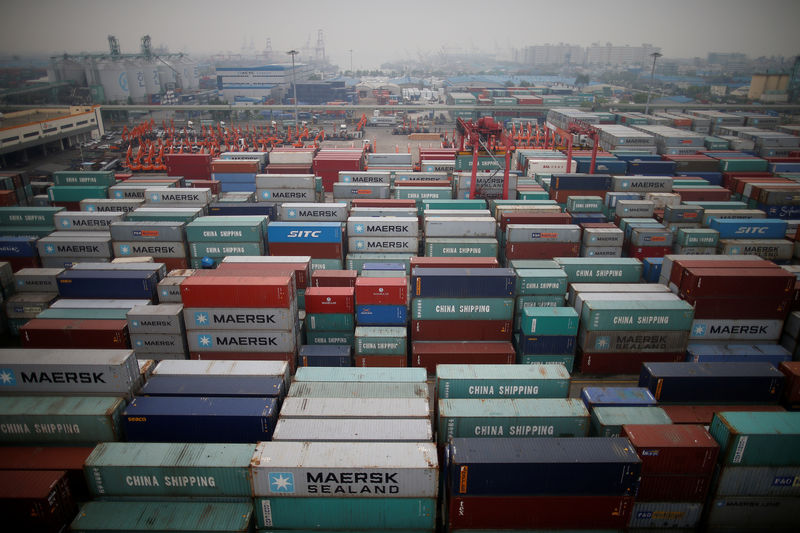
column 85, row 314
column 698, row 237
column 501, row 381
column 584, row 204
column 637, row 315
column 528, row 359
column 743, row 165
column 521, row 264
column 72, row 420
column 330, row 322
column 541, row 281
column 757, row 439
column 516, row 418
column 601, row 269
column 330, row 337
column 350, row 514
column 533, row 195
column 36, row 232
column 423, row 193
column 549, row 321
column 227, row 229
column 462, row 308
column 28, row 216
column 461, row 247
column 164, row 517
column 157, row 469
column 76, row 193
column 102, row 177
column 358, row 390
column 453, row 204
column 224, row 249
column 381, row 341
column 326, row 264
column 608, row 421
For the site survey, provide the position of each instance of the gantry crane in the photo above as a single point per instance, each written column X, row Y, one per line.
column 488, row 137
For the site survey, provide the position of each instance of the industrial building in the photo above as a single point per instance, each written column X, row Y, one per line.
column 260, row 83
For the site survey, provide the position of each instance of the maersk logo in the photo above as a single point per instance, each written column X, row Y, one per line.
column 124, row 250
column 164, row 292
column 602, row 343
column 65, row 223
column 91, row 208
column 699, row 330
column 205, row 341
column 626, row 184
column 155, row 197
column 266, row 194
column 359, row 228
column 49, row 249
column 7, row 377
column 291, row 213
column 118, row 194
column 281, row 482
column 135, row 323
column 347, row 179
column 139, row 343
column 201, row 319
column 360, row 245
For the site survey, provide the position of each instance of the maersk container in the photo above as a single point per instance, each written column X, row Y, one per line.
column 330, row 321
column 752, row 513
column 333, row 355
column 666, row 515
column 608, row 421
column 241, row 340
column 313, row 212
column 501, row 381
column 517, row 418
column 238, row 318
column 632, row 341
column 637, row 315
column 164, row 517
column 162, row 318
column 215, row 386
column 83, row 220
column 778, row 481
column 224, row 368
column 361, row 375
column 359, row 390
column 341, row 469
column 559, row 466
column 69, row 420
column 464, row 226
column 713, row 382
column 541, row 281
column 463, row 282
column 757, row 438
column 159, row 469
column 353, row 430
column 730, row 353
column 305, row 407
column 617, row 397
column 382, row 226
column 549, row 321
column 601, row 269
column 200, row 419
column 36, row 279
column 44, row 371
column 462, row 308
column 107, row 284
column 354, row 514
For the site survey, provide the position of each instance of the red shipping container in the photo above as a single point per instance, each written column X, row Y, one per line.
column 561, row 196
column 791, row 387
column 318, row 250
column 381, row 291
column 743, row 308
column 710, row 282
column 673, row 488
column 393, row 361
column 209, row 290
column 454, row 262
column 679, row 266
column 172, row 263
column 705, row 194
column 641, row 252
column 289, row 357
column 532, row 217
column 457, row 330
column 234, row 166
column 730, row 180
column 422, row 183
column 8, row 198
column 673, row 449
column 622, row 363
column 58, row 333
column 330, row 300
column 334, row 278
column 540, row 512
column 69, row 206
column 703, row 414
column 68, row 458
column 18, row 263
column 300, row 271
column 379, row 202
column 214, row 185
column 36, row 500
column 430, row 354
column 547, row 250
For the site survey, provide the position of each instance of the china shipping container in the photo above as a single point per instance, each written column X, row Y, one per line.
column 164, row 517
column 501, row 381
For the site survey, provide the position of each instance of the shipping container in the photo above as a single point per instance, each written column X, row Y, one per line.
column 752, row 513
column 757, row 438
column 312, row 407
column 215, row 386
column 430, row 355
column 36, row 500
column 359, row 390
column 501, row 381
column 232, row 369
column 353, row 430
column 665, row 515
column 673, row 448
column 164, row 517
column 608, row 421
column 617, row 397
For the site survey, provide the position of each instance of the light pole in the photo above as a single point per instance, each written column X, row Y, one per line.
column 654, row 55
column 294, row 85
column 351, row 63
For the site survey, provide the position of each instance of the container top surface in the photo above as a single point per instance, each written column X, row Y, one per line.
column 44, row 458
column 363, row 375
column 569, row 449
column 669, row 435
column 737, row 369
column 59, row 405
column 617, row 394
column 40, row 356
column 353, row 429
column 359, row 390
column 345, row 455
column 761, row 423
column 521, row 372
column 138, row 454
column 200, row 406
column 161, row 385
column 616, row 416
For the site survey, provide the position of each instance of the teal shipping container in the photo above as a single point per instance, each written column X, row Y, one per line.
column 549, row 321
column 516, row 418
column 69, row 420
column 330, row 337
column 358, row 390
column 362, row 375
column 636, row 315
column 567, row 361
column 601, row 269
column 608, row 421
column 462, row 308
column 83, row 177
column 28, row 216
column 159, row 469
column 757, row 439
column 502, row 381
column 461, row 247
column 76, row 193
column 541, row 281
column 378, row 340
column 330, row 321
column 227, row 229
column 351, row 514
column 164, row 517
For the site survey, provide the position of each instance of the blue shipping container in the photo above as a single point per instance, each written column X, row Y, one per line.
column 731, row 353
column 200, row 419
column 214, row 386
column 18, row 247
column 545, row 344
column 588, row 218
column 329, row 355
column 108, row 284
column 617, row 397
column 310, row 232
column 463, row 282
column 587, row 182
column 651, row 269
column 783, row 212
column 375, row 315
column 756, row 228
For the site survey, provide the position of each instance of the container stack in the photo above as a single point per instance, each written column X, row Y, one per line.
column 158, row 332
column 650, row 241
column 70, row 187
column 327, row 326
column 330, row 315
column 287, row 160
column 164, row 241
column 380, row 302
column 601, row 240
column 383, row 234
column 547, row 335
column 62, row 249
column 36, row 289
column 220, row 236
column 762, row 237
column 758, row 455
column 329, row 163
column 286, row 188
column 319, row 240
column 235, row 175
column 540, row 283
column 464, row 235
column 562, row 186
column 15, row 189
column 696, row 241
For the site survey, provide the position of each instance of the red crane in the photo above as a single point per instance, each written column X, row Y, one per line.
column 488, row 136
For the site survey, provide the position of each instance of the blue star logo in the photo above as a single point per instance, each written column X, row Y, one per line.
column 164, row 292
column 292, row 213
column 347, row 179
column 699, row 330
column 49, row 249
column 117, row 194
column 125, row 249
column 91, row 208
column 7, row 377
column 139, row 343
column 155, row 197
column 736, row 250
column 602, row 343
column 359, row 228
column 135, row 323
column 359, row 244
column 201, row 319
column 65, row 223
column 281, row 482
column 205, row 341
column 265, row 194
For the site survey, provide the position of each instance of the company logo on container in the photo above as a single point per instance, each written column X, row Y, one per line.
column 292, row 213
column 281, row 482
column 201, row 318
column 699, row 330
column 602, row 343
column 125, row 250
column 359, row 228
column 360, row 244
column 49, row 249
column 135, row 323
column 205, row 340
column 139, row 344
column 65, row 223
column 7, row 377
column 91, row 208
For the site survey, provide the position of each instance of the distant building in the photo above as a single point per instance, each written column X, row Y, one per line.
column 320, row 92
column 258, row 83
column 769, row 87
column 620, row 55
column 551, row 54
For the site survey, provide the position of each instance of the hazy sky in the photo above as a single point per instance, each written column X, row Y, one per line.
column 379, row 30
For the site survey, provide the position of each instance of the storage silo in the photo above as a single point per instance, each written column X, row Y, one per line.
column 152, row 78
column 69, row 69
column 166, row 77
column 114, row 79
column 189, row 73
column 136, row 83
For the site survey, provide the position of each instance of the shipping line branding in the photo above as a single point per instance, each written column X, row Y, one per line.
column 207, row 340
column 204, row 318
column 170, row 481
column 336, row 482
column 320, row 213
column 8, row 377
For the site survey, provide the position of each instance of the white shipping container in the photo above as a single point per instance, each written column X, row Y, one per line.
column 382, row 227
column 182, row 196
column 162, row 318
column 383, row 212
column 355, row 408
column 224, row 368
column 312, row 212
column 359, row 390
column 240, row 318
column 380, row 430
column 284, row 181
column 246, row 340
column 464, row 226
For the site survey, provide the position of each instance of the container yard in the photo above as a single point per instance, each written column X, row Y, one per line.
column 492, row 330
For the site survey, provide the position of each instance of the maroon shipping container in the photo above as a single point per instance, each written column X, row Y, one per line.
column 622, row 363
column 210, row 290
column 386, row 202
column 673, row 488
column 456, row 330
column 330, row 300
column 36, row 500
column 422, row 183
column 642, row 252
column 68, row 458
column 289, row 357
column 540, row 512
column 214, row 185
column 234, row 166
column 437, row 154
column 704, row 194
column 288, row 169
column 18, row 263
column 735, row 181
column 587, row 225
column 69, row 206
column 703, row 414
column 173, row 263
column 693, row 163
column 61, row 332
column 673, row 449
column 678, row 267
column 532, row 217
column 301, row 271
column 334, row 278
column 8, row 198
column 393, row 361
column 454, row 262
column 189, row 165
column 791, row 388
column 775, row 308
column 712, row 282
column 536, row 250
column 381, row 291
column 317, row 250
column 430, row 354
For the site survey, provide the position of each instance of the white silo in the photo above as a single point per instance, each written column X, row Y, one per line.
column 114, row 79
column 136, row 84
column 166, row 76
column 152, row 79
